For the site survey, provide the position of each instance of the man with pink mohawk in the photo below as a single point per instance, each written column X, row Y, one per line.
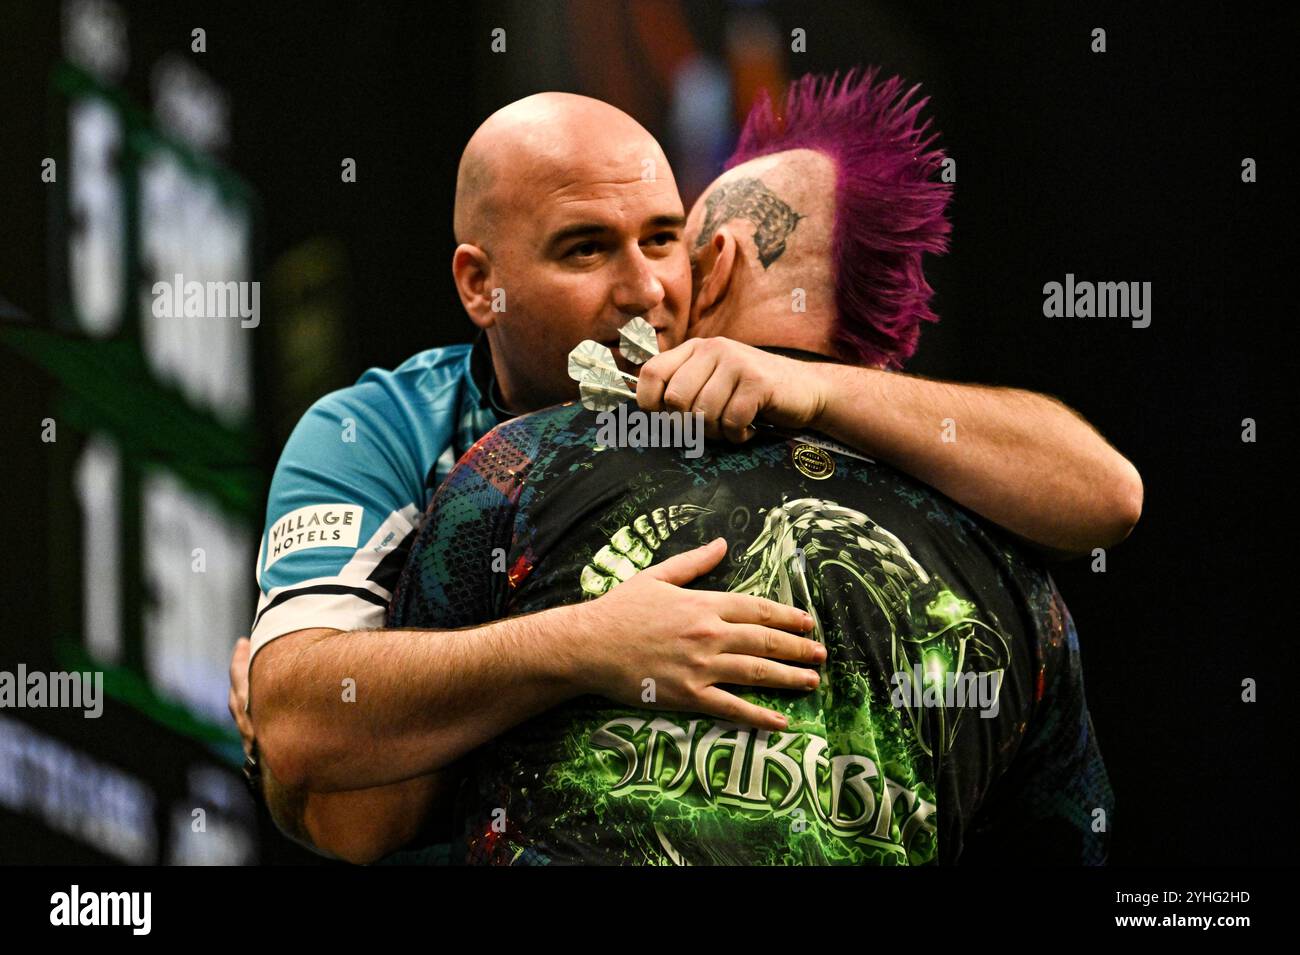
column 944, row 718
column 812, row 241
column 888, row 199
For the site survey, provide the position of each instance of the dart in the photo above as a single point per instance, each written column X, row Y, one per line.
column 602, row 391
column 637, row 341
column 592, row 356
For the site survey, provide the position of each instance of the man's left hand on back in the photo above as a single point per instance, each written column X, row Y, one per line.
column 732, row 384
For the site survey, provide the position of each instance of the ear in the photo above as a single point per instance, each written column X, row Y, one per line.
column 717, row 281
column 471, row 270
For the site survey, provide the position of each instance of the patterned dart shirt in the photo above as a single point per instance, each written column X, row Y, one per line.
column 950, row 723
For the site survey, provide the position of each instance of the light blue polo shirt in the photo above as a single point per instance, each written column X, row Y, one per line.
column 352, row 484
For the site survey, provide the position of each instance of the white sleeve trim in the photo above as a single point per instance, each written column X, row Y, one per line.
column 309, row 611
column 302, row 605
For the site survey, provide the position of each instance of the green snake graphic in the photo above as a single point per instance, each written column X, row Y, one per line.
column 800, row 540
column 809, row 553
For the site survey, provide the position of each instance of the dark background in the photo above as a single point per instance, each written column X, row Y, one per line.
column 1122, row 166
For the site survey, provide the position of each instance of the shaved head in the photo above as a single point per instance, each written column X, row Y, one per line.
column 543, row 140
column 473, row 210
column 785, row 202
column 780, row 211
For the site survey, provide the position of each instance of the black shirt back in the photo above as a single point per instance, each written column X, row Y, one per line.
column 951, row 708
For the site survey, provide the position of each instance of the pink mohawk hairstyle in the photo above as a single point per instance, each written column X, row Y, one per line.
column 889, row 207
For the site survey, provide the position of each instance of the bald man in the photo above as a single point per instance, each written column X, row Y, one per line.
column 541, row 178
column 568, row 224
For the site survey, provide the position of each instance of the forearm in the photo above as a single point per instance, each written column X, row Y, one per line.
column 1020, row 459
column 362, row 709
